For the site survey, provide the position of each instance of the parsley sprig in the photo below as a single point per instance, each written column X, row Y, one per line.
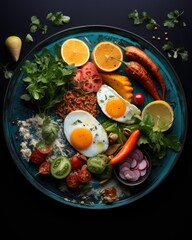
column 7, row 73
column 174, row 52
column 172, row 18
column 46, row 78
column 58, row 18
column 150, row 22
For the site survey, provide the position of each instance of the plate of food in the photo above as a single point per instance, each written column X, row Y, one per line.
column 90, row 109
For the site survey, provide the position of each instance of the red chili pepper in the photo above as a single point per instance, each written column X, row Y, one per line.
column 127, row 148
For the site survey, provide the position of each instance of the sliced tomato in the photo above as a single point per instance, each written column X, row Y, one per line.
column 45, row 168
column 72, row 180
column 60, row 167
column 84, row 176
column 37, row 157
column 88, row 78
column 44, row 148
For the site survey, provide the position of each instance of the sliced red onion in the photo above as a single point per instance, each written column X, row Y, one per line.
column 133, row 166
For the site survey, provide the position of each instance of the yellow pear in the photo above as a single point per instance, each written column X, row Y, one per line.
column 14, row 44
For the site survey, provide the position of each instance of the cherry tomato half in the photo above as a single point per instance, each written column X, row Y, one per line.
column 44, row 148
column 45, row 168
column 138, row 98
column 72, row 180
column 37, row 157
column 84, row 176
column 76, row 162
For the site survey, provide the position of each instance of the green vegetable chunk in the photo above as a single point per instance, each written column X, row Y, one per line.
column 96, row 164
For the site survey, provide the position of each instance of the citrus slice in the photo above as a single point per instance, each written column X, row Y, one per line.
column 75, row 51
column 107, row 56
column 162, row 114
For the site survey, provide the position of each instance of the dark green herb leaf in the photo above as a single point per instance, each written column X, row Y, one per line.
column 46, row 78
column 135, row 17
column 58, row 18
column 7, row 73
column 172, row 19
column 28, row 38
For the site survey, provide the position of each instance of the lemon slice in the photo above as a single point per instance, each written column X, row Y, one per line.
column 107, row 56
column 75, row 51
column 162, row 113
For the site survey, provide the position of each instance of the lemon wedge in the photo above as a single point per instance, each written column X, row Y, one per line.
column 162, row 113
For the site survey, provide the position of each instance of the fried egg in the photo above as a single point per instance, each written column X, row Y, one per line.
column 116, row 107
column 85, row 133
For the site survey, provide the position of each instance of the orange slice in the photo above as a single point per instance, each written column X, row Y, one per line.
column 75, row 51
column 107, row 56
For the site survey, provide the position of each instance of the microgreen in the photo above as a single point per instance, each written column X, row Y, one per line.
column 172, row 19
column 58, row 18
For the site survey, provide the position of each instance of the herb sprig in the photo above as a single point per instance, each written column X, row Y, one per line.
column 150, row 22
column 46, row 78
column 175, row 52
column 172, row 18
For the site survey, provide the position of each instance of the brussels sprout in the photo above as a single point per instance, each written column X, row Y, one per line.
column 107, row 172
column 96, row 164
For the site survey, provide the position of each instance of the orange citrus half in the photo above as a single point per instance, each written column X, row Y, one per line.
column 107, row 56
column 75, row 51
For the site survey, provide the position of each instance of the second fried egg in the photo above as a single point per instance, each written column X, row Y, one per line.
column 114, row 106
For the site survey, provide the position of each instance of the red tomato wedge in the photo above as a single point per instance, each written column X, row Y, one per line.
column 37, row 157
column 45, row 168
column 88, row 78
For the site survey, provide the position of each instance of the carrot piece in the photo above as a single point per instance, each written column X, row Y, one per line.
column 135, row 54
column 127, row 148
column 140, row 74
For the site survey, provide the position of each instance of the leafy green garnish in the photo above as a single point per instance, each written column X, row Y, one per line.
column 7, row 73
column 172, row 19
column 175, row 52
column 36, row 25
column 58, row 18
column 135, row 17
column 150, row 22
column 158, row 142
column 46, row 78
column 49, row 130
column 28, row 38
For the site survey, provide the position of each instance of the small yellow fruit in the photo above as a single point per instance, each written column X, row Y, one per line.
column 14, row 44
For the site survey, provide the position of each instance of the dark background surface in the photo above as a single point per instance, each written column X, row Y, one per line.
column 167, row 209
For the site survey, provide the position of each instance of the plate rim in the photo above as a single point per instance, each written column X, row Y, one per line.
column 29, row 176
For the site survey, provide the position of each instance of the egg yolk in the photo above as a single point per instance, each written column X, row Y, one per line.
column 81, row 138
column 115, row 107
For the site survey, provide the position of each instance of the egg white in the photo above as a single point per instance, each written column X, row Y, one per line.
column 83, row 119
column 105, row 93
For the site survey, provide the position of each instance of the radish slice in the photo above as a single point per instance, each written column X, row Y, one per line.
column 133, row 163
column 124, row 164
column 143, row 172
column 142, row 165
column 133, row 166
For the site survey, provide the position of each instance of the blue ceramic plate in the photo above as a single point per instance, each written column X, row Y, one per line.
column 15, row 109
